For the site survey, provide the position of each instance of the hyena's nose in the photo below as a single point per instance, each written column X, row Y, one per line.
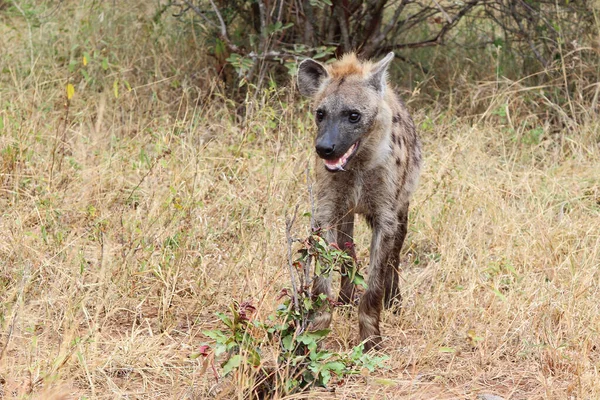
column 325, row 149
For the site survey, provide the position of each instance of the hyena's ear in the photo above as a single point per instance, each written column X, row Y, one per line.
column 379, row 73
column 310, row 76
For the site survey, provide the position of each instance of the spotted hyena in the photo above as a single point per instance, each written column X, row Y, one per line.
column 369, row 160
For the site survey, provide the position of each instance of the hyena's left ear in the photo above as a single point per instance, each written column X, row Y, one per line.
column 379, row 74
column 310, row 76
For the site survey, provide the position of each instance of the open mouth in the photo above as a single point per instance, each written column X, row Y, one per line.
column 338, row 164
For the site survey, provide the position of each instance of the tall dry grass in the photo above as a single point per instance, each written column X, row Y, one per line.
column 130, row 216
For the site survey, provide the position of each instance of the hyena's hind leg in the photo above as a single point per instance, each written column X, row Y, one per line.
column 392, row 295
column 371, row 302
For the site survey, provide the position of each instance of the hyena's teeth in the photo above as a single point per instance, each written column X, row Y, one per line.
column 340, row 162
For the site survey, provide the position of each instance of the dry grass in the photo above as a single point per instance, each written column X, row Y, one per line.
column 127, row 222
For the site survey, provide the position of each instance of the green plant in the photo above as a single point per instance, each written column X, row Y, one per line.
column 301, row 362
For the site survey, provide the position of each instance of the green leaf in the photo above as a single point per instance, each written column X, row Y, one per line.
column 219, row 48
column 308, row 303
column 233, row 58
column 318, row 269
column 336, row 366
column 86, row 76
column 233, row 362
column 320, row 356
column 447, row 350
column 325, row 377
column 226, row 320
column 287, row 342
column 499, row 294
column 357, row 352
column 310, row 339
column 217, row 335
column 253, row 357
column 359, row 280
column 320, row 241
column 220, row 349
column 386, row 382
column 320, row 3
column 307, row 337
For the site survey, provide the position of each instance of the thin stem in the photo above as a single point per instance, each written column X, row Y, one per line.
column 289, row 223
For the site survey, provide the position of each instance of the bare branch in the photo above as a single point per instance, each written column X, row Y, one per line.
column 313, row 227
column 369, row 48
column 263, row 25
column 10, row 333
column 308, row 23
column 414, row 64
column 443, row 11
column 343, row 23
column 216, row 10
column 375, row 16
column 517, row 19
column 223, row 28
column 197, row 10
column 438, row 39
column 289, row 223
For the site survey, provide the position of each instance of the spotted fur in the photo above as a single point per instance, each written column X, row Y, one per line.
column 377, row 181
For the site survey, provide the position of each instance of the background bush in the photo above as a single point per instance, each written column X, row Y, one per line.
column 547, row 46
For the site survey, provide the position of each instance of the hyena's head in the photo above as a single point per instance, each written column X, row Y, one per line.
column 349, row 106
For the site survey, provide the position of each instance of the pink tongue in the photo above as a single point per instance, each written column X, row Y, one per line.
column 338, row 163
column 332, row 163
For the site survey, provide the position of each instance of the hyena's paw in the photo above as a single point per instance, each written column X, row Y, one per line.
column 368, row 325
column 322, row 321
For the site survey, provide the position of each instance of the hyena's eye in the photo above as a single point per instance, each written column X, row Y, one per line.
column 354, row 117
column 320, row 115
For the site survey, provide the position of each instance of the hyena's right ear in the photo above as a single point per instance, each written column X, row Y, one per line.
column 310, row 76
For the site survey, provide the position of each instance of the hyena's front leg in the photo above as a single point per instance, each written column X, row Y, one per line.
column 339, row 232
column 322, row 317
column 321, row 284
column 371, row 303
column 345, row 241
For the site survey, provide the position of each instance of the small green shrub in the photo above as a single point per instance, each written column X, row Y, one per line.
column 301, row 362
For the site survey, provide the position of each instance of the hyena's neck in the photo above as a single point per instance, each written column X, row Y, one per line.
column 379, row 146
